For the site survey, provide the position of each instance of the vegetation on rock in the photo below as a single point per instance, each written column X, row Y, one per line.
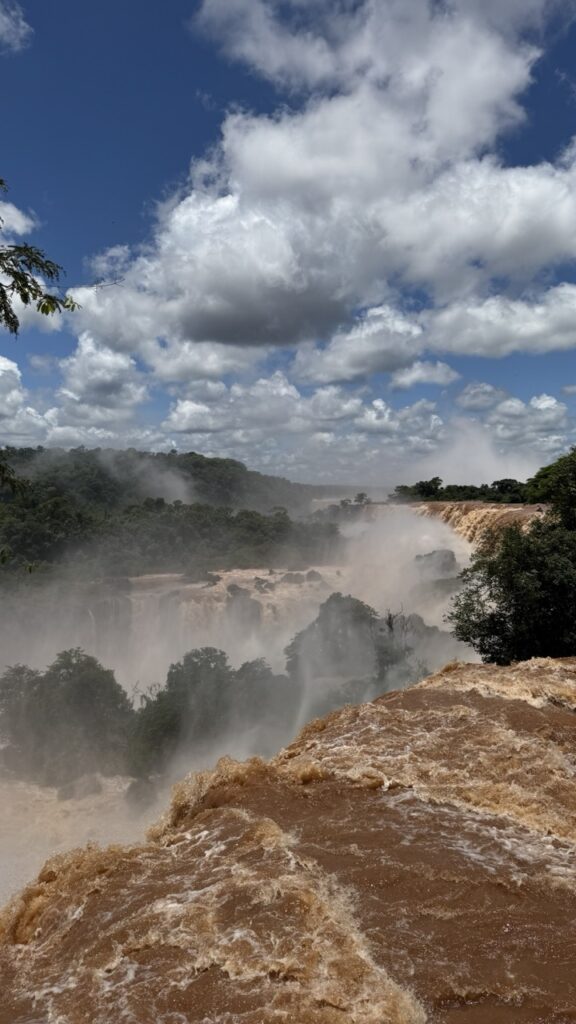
column 519, row 595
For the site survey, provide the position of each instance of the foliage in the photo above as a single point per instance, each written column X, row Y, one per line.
column 75, row 719
column 110, row 478
column 62, row 723
column 556, row 485
column 81, row 507
column 519, row 592
column 519, row 595
column 204, row 699
column 22, row 268
column 507, row 491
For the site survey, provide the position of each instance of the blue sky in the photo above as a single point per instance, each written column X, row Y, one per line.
column 335, row 240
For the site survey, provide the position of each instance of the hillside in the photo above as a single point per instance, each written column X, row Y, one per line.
column 120, row 513
column 405, row 861
column 112, row 478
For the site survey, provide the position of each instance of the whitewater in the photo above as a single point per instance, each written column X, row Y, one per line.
column 408, row 860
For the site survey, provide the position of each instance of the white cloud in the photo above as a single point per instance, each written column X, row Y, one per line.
column 415, row 427
column 541, row 424
column 270, row 403
column 423, row 373
column 381, row 341
column 199, row 361
column 499, row 326
column 304, row 227
column 302, row 217
column 15, row 32
column 478, row 396
column 100, row 385
column 14, row 221
column 333, row 43
column 11, row 391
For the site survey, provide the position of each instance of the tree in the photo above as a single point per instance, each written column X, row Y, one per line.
column 519, row 595
column 193, row 708
column 556, row 484
column 519, row 592
column 429, row 488
column 70, row 720
column 21, row 269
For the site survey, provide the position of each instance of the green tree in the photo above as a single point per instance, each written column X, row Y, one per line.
column 22, row 268
column 519, row 595
column 192, row 708
column 68, row 721
column 429, row 489
column 556, row 485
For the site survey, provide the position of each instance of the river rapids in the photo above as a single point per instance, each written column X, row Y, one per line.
column 404, row 861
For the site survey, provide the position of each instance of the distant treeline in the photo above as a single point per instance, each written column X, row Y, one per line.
column 110, row 478
column 507, row 491
column 75, row 719
column 101, row 513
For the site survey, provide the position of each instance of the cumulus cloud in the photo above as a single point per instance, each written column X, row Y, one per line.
column 307, row 227
column 380, row 341
column 423, row 373
column 15, row 32
column 478, row 396
column 14, row 221
column 335, row 43
column 499, row 325
column 270, row 403
column 100, row 385
column 11, row 391
column 368, row 228
column 302, row 217
column 541, row 424
column 285, row 428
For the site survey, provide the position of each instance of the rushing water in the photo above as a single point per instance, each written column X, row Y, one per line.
column 473, row 519
column 405, row 861
column 139, row 626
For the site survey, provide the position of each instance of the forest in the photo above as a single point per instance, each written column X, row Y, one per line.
column 100, row 513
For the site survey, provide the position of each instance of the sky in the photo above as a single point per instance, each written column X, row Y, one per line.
column 334, row 239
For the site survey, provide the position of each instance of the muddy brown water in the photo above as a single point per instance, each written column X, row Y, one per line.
column 406, row 861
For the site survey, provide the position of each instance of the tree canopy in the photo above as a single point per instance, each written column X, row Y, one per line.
column 519, row 594
column 102, row 514
column 65, row 722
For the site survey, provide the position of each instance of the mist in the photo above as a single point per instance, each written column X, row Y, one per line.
column 471, row 454
column 139, row 627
